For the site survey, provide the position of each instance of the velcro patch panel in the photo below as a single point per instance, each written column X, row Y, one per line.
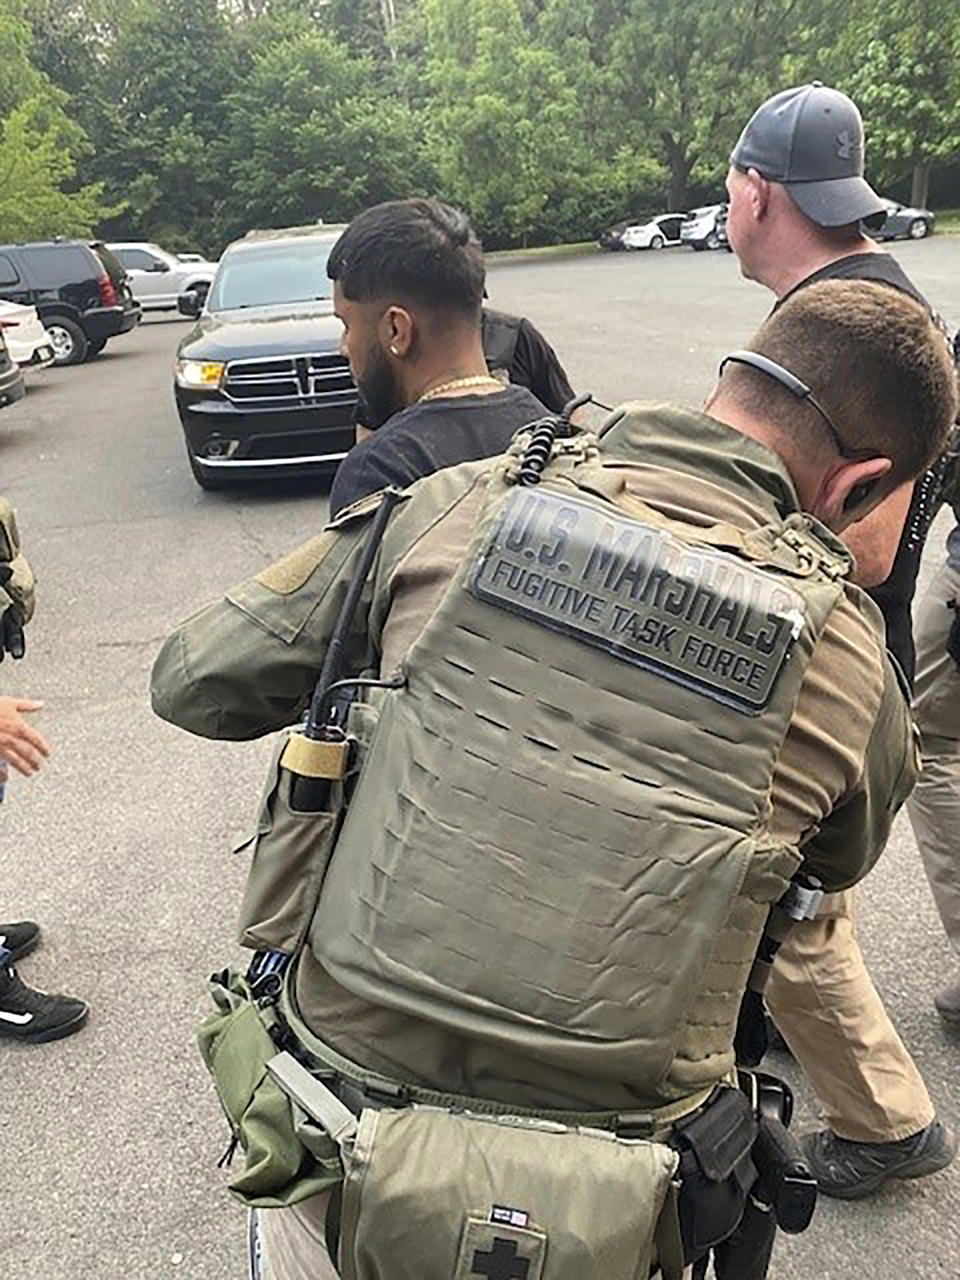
column 700, row 617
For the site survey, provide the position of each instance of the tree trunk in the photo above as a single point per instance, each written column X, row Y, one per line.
column 679, row 164
column 920, row 189
column 677, row 190
column 389, row 13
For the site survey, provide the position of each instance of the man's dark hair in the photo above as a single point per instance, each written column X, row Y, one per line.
column 873, row 358
column 419, row 251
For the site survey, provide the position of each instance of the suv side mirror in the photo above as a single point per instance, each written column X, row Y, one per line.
column 189, row 303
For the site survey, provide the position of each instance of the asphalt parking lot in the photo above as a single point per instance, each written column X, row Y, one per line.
column 122, row 847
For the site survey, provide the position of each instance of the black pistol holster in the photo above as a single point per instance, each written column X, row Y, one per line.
column 742, row 1176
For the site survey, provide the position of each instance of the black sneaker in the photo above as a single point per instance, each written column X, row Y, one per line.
column 852, row 1170
column 36, row 1016
column 19, row 939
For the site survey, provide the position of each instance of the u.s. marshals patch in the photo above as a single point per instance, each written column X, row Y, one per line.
column 700, row 617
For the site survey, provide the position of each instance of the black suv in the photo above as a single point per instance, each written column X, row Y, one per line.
column 260, row 384
column 82, row 297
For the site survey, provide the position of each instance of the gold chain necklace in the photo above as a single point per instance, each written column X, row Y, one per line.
column 456, row 384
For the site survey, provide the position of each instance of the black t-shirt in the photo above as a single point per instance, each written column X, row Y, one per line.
column 517, row 348
column 895, row 596
column 428, row 437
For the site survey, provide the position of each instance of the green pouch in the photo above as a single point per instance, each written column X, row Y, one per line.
column 439, row 1195
column 287, row 1156
column 291, row 851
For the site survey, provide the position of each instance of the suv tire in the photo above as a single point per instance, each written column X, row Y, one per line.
column 70, row 343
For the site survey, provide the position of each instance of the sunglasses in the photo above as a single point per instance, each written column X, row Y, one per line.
column 790, row 382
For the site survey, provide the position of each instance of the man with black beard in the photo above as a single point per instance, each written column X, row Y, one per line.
column 408, row 286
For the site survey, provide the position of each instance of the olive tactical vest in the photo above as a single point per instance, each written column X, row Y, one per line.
column 559, row 840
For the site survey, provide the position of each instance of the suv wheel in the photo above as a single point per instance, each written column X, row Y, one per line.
column 68, row 340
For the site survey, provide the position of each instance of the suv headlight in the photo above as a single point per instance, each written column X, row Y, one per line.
column 199, row 373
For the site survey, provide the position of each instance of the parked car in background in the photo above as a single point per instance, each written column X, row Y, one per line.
column 82, row 302
column 699, row 228
column 904, row 223
column 157, row 277
column 11, row 379
column 654, row 234
column 260, row 385
column 28, row 342
column 612, row 238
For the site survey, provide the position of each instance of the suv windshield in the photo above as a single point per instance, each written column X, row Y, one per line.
column 273, row 274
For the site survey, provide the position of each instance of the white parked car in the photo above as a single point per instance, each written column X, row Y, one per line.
column 157, row 278
column 701, row 227
column 28, row 342
column 655, row 234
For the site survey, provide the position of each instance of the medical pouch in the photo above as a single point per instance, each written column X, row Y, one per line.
column 431, row 1194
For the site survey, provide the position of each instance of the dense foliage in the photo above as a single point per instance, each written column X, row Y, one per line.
column 188, row 121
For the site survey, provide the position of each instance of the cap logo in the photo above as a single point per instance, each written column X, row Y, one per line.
column 846, row 146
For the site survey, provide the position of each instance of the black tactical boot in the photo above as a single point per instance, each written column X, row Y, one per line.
column 19, row 939
column 852, row 1170
column 36, row 1016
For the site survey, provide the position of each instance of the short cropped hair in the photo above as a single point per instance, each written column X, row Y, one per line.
column 872, row 356
column 420, row 251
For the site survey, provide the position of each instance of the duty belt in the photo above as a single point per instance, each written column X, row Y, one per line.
column 358, row 1087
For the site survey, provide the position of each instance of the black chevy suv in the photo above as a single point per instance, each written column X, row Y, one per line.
column 79, row 290
column 260, row 385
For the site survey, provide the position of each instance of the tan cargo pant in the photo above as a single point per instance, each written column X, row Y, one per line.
column 825, row 1004
column 934, row 807
column 294, row 1244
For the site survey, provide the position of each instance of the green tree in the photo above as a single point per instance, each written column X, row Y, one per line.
column 314, row 132
column 37, row 143
column 900, row 61
column 512, row 133
column 40, row 144
column 157, row 118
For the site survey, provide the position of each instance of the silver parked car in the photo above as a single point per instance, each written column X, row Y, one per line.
column 157, row 278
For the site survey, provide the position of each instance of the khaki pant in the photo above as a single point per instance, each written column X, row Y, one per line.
column 294, row 1246
column 828, row 1010
column 294, row 1243
column 934, row 807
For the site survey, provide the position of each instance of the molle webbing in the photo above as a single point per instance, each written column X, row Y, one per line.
column 551, row 838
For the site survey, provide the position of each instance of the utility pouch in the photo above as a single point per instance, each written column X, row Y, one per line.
column 287, row 1156
column 716, row 1169
column 291, row 850
column 431, row 1194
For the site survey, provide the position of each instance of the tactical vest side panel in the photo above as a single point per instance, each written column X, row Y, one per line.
column 550, row 844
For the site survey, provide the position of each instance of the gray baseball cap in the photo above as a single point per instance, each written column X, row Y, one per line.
column 810, row 140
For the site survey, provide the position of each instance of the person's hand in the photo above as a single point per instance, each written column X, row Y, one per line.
column 21, row 744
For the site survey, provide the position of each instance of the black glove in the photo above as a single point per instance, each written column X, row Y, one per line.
column 953, row 637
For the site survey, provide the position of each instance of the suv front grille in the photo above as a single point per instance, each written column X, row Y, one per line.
column 306, row 381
